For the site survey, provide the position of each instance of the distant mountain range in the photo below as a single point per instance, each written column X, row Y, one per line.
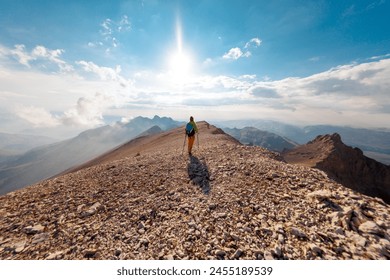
column 19, row 167
column 374, row 143
column 11, row 144
column 48, row 160
column 255, row 137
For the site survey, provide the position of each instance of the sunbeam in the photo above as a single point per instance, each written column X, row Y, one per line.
column 180, row 62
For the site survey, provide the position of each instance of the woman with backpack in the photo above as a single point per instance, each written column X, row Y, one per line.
column 191, row 129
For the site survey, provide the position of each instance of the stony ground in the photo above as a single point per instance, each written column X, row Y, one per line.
column 227, row 201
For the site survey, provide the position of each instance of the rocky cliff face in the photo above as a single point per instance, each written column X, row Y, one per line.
column 149, row 201
column 345, row 164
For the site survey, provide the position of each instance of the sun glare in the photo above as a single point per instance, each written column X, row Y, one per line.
column 180, row 64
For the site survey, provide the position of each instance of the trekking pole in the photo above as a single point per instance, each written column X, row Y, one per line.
column 197, row 135
column 185, row 137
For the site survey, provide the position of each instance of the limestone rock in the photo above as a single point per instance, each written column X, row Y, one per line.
column 370, row 227
column 19, row 247
column 34, row 229
column 93, row 209
column 55, row 256
column 38, row 238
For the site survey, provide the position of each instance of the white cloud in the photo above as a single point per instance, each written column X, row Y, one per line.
column 124, row 24
column 110, row 31
column 314, row 59
column 88, row 111
column 249, row 77
column 378, row 57
column 38, row 54
column 76, row 101
column 126, row 119
column 21, row 55
column 355, row 94
column 236, row 53
column 52, row 56
column 264, row 92
column 106, row 73
column 255, row 42
column 95, row 44
column 107, row 29
column 208, row 62
column 349, row 94
column 38, row 117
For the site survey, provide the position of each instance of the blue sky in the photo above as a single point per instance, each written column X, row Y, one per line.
column 72, row 65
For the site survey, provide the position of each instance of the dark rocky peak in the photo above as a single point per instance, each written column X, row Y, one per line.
column 334, row 138
column 345, row 164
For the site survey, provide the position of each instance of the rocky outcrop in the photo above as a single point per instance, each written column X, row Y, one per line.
column 227, row 201
column 344, row 164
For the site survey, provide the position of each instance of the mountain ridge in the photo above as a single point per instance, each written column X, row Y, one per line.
column 46, row 161
column 373, row 142
column 11, row 143
column 227, row 201
column 149, row 142
column 345, row 164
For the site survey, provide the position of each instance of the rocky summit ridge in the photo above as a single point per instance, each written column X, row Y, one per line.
column 147, row 200
column 344, row 164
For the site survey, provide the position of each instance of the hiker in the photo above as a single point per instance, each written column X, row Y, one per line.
column 191, row 129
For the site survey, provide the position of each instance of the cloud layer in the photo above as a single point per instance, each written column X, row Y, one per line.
column 38, row 56
column 82, row 93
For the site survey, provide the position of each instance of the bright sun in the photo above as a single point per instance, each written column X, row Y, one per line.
column 180, row 64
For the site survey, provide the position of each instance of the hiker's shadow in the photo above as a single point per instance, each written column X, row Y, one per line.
column 199, row 174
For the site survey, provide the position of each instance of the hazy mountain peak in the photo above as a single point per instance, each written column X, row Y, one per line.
column 253, row 136
column 151, row 131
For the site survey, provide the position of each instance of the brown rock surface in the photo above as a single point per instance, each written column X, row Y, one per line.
column 228, row 201
column 344, row 164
